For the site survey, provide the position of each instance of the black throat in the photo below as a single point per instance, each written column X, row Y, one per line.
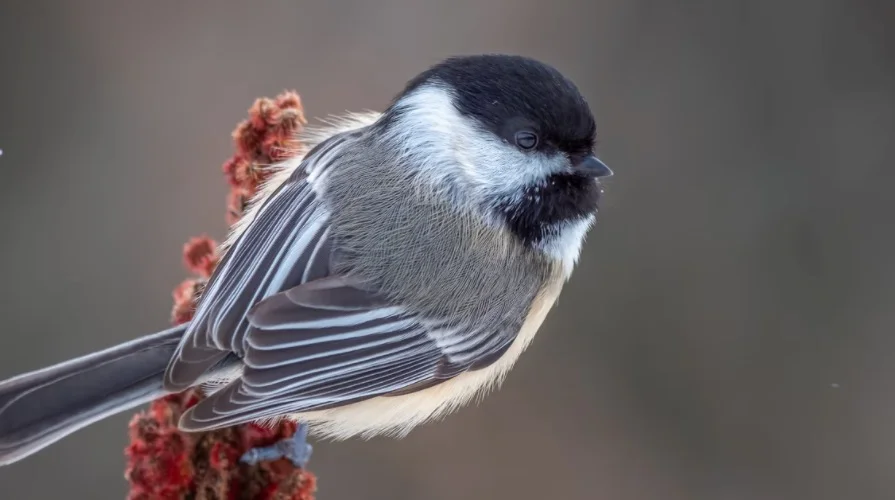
column 540, row 211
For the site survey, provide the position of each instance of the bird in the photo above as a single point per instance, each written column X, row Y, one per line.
column 389, row 274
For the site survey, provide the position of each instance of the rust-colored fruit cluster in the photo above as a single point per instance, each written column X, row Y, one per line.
column 165, row 463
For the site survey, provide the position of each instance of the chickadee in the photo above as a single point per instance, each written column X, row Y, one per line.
column 385, row 277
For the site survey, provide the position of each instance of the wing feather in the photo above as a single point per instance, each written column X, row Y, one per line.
column 285, row 242
column 308, row 338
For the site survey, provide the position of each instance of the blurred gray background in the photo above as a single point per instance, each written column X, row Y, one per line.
column 729, row 332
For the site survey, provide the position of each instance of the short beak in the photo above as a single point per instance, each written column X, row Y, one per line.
column 591, row 166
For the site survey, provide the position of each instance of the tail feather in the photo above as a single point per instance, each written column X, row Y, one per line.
column 42, row 407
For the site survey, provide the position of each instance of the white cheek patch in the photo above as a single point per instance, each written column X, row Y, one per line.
column 454, row 148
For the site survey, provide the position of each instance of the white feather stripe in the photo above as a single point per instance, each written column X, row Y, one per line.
column 377, row 341
column 319, row 336
column 297, row 245
column 339, row 320
column 398, row 415
column 226, row 273
column 314, row 253
column 411, row 348
column 372, row 380
column 248, row 262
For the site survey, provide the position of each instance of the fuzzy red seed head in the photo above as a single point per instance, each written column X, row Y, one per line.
column 200, row 255
column 165, row 463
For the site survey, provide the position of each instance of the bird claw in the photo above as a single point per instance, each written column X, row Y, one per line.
column 296, row 449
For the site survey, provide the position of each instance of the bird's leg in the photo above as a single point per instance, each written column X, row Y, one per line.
column 295, row 448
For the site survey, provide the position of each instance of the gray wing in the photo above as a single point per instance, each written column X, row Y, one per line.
column 282, row 247
column 309, row 339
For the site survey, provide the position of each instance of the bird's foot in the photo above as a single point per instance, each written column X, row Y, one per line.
column 295, row 448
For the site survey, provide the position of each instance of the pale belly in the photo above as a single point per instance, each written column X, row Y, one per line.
column 398, row 415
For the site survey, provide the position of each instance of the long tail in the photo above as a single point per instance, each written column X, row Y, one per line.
column 39, row 408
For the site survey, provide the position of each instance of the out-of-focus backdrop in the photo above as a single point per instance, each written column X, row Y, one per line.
column 729, row 332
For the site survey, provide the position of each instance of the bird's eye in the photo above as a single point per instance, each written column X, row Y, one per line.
column 526, row 139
